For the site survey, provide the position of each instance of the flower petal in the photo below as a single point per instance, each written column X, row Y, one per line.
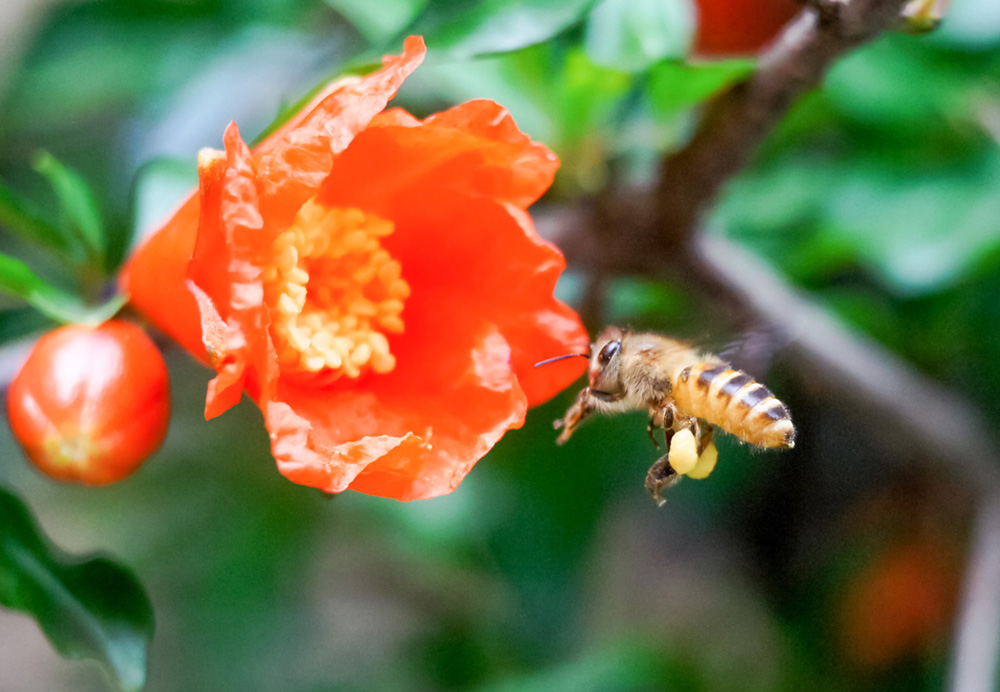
column 409, row 436
column 225, row 274
column 293, row 162
column 480, row 310
column 469, row 246
column 475, row 148
column 525, row 166
column 154, row 277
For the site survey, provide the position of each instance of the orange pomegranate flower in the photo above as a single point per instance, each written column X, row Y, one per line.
column 373, row 281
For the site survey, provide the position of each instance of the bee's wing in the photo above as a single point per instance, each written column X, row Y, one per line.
column 755, row 348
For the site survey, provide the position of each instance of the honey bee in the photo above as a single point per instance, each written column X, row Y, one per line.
column 687, row 395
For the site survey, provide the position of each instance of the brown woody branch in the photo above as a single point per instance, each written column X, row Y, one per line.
column 735, row 124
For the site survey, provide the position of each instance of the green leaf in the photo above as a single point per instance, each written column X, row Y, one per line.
column 18, row 323
column 674, row 86
column 88, row 607
column 625, row 663
column 82, row 217
column 466, row 28
column 378, row 21
column 920, row 230
column 17, row 279
column 586, row 96
column 16, row 216
column 632, row 35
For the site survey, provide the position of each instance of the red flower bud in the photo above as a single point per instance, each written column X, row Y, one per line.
column 91, row 403
column 740, row 27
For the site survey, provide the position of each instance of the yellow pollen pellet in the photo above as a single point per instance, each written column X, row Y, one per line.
column 683, row 454
column 706, row 462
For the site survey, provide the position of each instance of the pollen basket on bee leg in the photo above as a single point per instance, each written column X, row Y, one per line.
column 334, row 293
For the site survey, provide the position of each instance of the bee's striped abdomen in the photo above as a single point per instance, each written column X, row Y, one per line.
column 736, row 403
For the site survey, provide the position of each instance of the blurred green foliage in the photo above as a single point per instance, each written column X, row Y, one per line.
column 88, row 608
column 548, row 568
column 879, row 194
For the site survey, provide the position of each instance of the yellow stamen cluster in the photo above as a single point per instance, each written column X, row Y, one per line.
column 334, row 293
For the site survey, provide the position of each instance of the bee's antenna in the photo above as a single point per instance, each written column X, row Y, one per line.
column 563, row 357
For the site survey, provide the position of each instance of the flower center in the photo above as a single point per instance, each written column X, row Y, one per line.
column 334, row 293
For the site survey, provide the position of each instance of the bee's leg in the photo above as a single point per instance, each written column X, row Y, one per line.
column 651, row 429
column 661, row 476
column 661, row 416
column 703, row 433
column 581, row 408
column 708, row 455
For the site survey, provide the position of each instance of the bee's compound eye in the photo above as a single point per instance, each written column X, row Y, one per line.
column 609, row 351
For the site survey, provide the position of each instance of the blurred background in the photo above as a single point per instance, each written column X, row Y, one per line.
column 835, row 566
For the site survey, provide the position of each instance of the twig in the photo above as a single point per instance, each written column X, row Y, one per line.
column 977, row 640
column 735, row 124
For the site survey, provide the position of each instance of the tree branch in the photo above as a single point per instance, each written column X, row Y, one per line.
column 735, row 124
column 974, row 658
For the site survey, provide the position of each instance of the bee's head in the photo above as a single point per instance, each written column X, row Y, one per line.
column 605, row 365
